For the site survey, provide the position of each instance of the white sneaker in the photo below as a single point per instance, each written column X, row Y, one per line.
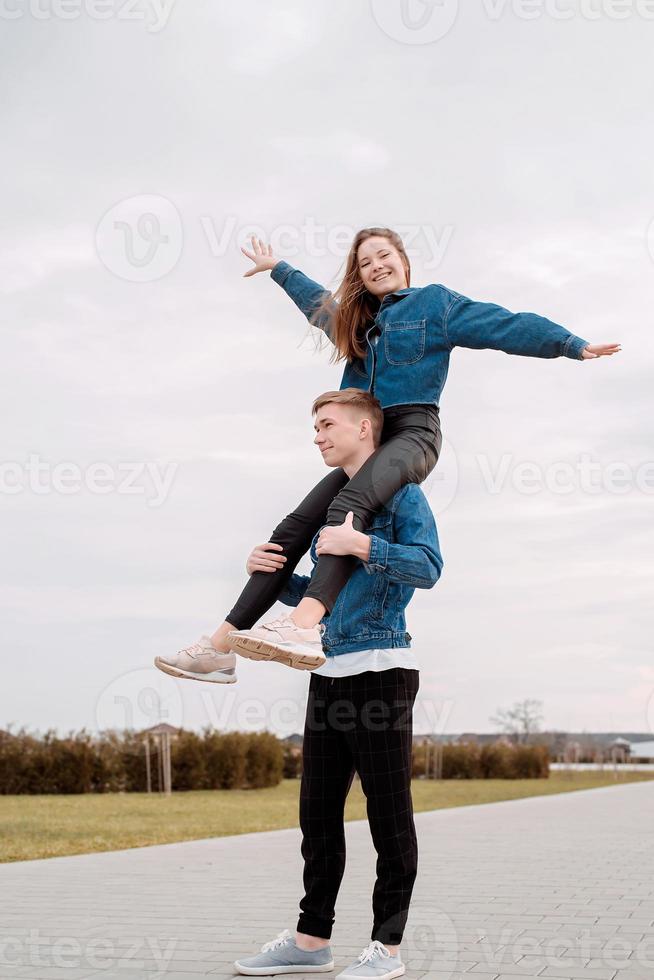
column 281, row 640
column 200, row 662
column 374, row 963
column 282, row 955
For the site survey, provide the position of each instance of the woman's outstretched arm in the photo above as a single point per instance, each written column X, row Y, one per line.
column 305, row 293
column 468, row 323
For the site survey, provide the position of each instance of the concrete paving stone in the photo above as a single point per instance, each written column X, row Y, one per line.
column 549, row 957
column 578, row 973
column 457, row 976
column 169, row 975
column 510, row 969
column 49, row 973
column 562, row 870
column 638, row 974
column 612, row 963
column 516, row 976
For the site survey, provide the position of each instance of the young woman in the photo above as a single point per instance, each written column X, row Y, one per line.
column 396, row 342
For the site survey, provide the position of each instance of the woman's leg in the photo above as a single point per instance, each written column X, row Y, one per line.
column 294, row 534
column 407, row 457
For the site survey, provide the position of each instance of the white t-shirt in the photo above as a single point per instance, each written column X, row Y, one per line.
column 346, row 664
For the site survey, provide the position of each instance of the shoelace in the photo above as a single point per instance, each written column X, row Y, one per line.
column 281, row 939
column 196, row 650
column 372, row 950
column 276, row 624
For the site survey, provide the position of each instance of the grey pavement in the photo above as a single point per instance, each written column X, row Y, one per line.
column 559, row 886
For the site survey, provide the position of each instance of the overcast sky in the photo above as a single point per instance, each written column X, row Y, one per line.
column 156, row 405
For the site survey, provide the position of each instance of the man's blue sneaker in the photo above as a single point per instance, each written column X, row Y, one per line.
column 375, row 963
column 281, row 955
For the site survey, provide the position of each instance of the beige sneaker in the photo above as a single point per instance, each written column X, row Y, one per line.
column 200, row 662
column 281, row 640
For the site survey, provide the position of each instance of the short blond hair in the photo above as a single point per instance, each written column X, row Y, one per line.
column 362, row 402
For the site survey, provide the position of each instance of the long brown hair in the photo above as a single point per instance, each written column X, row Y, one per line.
column 351, row 309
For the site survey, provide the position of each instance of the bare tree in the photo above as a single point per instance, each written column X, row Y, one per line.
column 521, row 721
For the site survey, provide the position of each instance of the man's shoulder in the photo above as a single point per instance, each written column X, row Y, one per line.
column 408, row 496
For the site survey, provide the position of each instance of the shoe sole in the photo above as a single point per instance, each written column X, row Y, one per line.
column 262, row 650
column 189, row 675
column 268, row 971
column 387, row 976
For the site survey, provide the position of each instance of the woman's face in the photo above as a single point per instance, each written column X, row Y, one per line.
column 380, row 266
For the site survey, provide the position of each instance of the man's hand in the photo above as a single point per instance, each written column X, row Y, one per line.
column 264, row 558
column 599, row 350
column 343, row 539
column 261, row 255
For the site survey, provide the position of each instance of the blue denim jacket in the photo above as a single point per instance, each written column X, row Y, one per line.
column 418, row 328
column 404, row 556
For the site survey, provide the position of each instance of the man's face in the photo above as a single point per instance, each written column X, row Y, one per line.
column 338, row 434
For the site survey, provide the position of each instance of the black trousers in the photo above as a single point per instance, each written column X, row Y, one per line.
column 363, row 723
column 409, row 450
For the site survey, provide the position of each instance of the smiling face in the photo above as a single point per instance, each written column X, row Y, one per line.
column 342, row 434
column 380, row 266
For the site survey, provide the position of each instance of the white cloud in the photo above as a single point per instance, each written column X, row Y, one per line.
column 272, row 115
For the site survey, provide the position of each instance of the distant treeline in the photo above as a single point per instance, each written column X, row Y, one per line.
column 115, row 762
column 471, row 761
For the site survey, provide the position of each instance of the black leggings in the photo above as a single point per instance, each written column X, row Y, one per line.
column 409, row 450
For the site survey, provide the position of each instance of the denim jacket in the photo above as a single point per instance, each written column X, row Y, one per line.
column 404, row 556
column 419, row 327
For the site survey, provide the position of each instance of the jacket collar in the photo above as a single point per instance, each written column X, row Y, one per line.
column 398, row 294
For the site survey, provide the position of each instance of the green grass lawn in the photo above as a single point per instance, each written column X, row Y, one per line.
column 50, row 826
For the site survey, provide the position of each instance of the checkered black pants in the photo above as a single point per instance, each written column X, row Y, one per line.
column 363, row 723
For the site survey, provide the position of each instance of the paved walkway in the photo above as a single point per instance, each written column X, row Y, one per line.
column 559, row 886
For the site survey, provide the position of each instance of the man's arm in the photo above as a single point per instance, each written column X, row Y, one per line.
column 305, row 293
column 414, row 558
column 268, row 559
column 479, row 326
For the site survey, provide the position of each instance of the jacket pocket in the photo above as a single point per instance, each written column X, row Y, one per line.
column 377, row 608
column 404, row 341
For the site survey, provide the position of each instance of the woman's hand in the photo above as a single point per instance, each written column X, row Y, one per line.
column 599, row 350
column 261, row 255
column 263, row 558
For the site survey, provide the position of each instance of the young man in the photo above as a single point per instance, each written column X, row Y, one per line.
column 359, row 710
